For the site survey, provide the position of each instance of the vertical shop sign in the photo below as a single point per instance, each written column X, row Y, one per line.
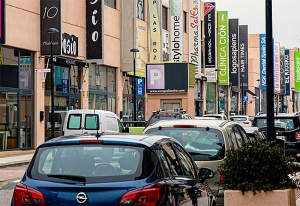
column 243, row 55
column 282, row 70
column 94, row 29
column 297, row 70
column 223, row 74
column 155, row 48
column 195, row 34
column 176, row 36
column 234, row 52
column 287, row 71
column 210, row 41
column 263, row 66
column 276, row 67
column 50, row 18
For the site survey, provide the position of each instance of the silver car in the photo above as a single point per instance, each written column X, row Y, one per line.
column 205, row 140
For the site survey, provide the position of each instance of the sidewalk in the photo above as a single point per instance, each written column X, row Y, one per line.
column 9, row 158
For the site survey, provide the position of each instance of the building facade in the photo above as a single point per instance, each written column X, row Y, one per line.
column 96, row 47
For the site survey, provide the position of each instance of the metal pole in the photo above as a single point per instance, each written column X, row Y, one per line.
column 269, row 72
column 242, row 94
column 134, row 92
column 293, row 97
column 52, row 90
column 259, row 99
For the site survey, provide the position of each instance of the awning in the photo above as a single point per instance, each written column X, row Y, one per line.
column 138, row 73
column 250, row 92
column 66, row 61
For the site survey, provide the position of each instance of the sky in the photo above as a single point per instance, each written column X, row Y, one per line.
column 285, row 18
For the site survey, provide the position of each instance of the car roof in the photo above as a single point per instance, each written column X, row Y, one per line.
column 146, row 140
column 202, row 122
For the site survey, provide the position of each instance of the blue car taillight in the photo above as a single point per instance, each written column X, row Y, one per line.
column 24, row 195
column 150, row 195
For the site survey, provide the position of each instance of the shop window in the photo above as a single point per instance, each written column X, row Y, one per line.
column 184, row 21
column 110, row 3
column 165, row 18
column 16, row 68
column 140, row 9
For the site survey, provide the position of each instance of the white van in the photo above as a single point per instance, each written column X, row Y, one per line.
column 80, row 121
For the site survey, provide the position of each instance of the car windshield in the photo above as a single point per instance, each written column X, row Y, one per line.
column 201, row 143
column 286, row 123
column 236, row 119
column 87, row 163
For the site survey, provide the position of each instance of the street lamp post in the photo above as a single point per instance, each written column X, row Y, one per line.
column 134, row 50
column 258, row 80
column 52, row 32
column 218, row 92
column 242, row 91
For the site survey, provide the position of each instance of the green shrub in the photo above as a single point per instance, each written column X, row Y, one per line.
column 257, row 166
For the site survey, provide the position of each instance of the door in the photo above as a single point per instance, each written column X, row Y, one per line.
column 26, row 121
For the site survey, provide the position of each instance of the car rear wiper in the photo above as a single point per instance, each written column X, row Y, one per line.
column 69, row 177
column 198, row 153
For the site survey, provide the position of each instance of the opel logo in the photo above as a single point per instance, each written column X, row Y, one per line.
column 81, row 197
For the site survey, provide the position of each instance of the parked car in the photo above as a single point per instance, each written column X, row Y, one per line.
column 255, row 134
column 113, row 169
column 244, row 120
column 218, row 116
column 206, row 141
column 80, row 121
column 287, row 126
column 163, row 114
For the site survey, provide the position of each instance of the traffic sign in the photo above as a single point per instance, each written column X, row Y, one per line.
column 245, row 98
column 42, row 70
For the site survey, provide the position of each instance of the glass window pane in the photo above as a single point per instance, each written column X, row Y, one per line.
column 165, row 18
column 91, row 121
column 74, row 121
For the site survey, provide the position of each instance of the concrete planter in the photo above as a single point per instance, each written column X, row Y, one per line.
column 274, row 197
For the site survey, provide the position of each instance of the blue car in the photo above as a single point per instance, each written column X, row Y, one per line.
column 113, row 169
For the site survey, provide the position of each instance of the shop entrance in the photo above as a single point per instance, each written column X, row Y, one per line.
column 26, row 121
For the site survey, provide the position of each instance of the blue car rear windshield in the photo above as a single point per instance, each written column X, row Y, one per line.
column 101, row 163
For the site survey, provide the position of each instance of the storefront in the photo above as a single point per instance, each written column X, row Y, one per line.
column 16, row 99
column 68, row 83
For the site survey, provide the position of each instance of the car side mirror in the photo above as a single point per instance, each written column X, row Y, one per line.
column 206, row 173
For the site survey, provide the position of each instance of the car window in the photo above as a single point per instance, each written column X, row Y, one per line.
column 103, row 163
column 91, row 122
column 186, row 162
column 121, row 126
column 235, row 119
column 238, row 136
column 171, row 159
column 74, row 121
column 243, row 134
column 165, row 163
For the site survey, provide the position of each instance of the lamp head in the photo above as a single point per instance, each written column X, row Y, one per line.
column 134, row 50
column 52, row 31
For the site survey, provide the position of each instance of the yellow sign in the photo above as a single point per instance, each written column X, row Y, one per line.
column 83, row 94
column 87, row 94
column 43, row 85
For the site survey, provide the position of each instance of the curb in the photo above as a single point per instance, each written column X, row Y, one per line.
column 14, row 164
